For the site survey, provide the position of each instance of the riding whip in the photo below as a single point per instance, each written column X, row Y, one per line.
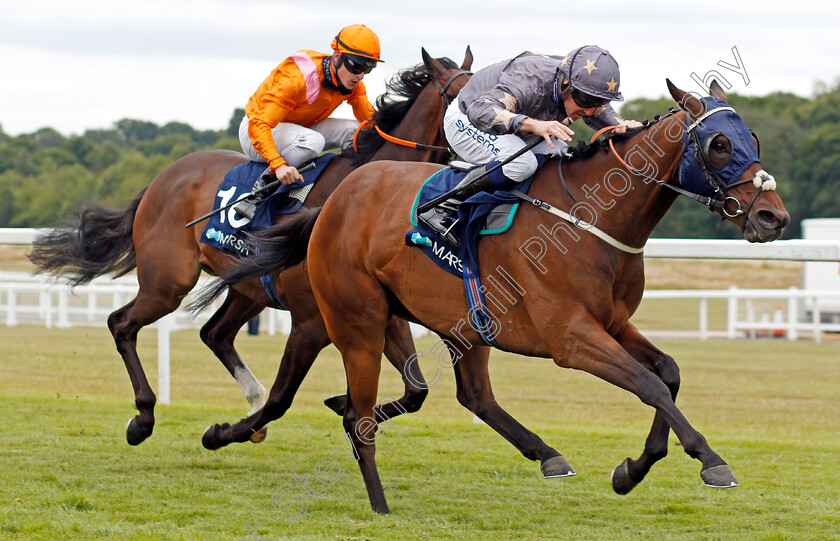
column 443, row 197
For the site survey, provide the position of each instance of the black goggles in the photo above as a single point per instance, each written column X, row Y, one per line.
column 586, row 101
column 358, row 64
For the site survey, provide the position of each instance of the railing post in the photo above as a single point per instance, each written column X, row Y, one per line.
column 63, row 316
column 44, row 308
column 166, row 325
column 91, row 306
column 793, row 315
column 272, row 321
column 731, row 312
column 751, row 318
column 11, row 308
column 816, row 319
column 704, row 319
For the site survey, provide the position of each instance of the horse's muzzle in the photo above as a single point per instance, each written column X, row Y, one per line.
column 766, row 225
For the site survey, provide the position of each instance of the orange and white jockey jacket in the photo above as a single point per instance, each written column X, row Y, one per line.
column 293, row 93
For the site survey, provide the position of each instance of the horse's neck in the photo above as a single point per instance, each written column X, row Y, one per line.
column 625, row 205
column 421, row 124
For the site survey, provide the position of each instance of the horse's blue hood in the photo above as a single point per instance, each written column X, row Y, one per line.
column 744, row 152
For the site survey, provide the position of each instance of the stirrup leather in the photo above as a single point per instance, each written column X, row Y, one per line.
column 248, row 207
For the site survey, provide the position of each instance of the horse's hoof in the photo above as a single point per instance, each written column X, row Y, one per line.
column 211, row 438
column 556, row 466
column 719, row 477
column 258, row 436
column 137, row 432
column 620, row 478
column 337, row 403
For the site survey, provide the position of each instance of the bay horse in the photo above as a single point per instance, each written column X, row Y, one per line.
column 563, row 292
column 149, row 234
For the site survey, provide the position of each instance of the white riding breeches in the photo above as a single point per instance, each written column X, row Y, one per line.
column 478, row 147
column 297, row 144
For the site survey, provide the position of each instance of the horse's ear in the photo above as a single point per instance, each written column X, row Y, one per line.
column 434, row 67
column 686, row 101
column 716, row 91
column 468, row 60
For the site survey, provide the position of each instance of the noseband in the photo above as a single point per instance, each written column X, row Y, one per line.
column 728, row 205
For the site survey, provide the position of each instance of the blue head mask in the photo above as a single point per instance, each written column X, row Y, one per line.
column 728, row 123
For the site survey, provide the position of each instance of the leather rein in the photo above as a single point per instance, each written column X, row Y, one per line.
column 445, row 99
column 763, row 181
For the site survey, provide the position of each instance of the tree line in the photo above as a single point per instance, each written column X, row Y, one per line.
column 45, row 176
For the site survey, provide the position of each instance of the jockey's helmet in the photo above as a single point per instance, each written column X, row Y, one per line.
column 593, row 76
column 359, row 47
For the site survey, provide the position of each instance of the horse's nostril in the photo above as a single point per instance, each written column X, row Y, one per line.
column 772, row 219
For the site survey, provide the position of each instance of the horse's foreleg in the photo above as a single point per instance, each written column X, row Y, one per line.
column 356, row 314
column 631, row 472
column 596, row 352
column 306, row 339
column 400, row 351
column 219, row 333
column 475, row 393
column 362, row 364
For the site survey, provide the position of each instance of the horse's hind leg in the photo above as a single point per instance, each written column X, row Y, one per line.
column 164, row 281
column 219, row 333
column 631, row 472
column 307, row 338
column 475, row 393
column 400, row 351
column 124, row 330
column 124, row 325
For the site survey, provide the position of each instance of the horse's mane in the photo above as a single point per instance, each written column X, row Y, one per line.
column 584, row 150
column 401, row 92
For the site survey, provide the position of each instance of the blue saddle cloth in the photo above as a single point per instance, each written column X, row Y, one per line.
column 227, row 229
column 473, row 221
column 481, row 214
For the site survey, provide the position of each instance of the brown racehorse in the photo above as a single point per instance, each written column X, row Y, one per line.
column 149, row 234
column 564, row 293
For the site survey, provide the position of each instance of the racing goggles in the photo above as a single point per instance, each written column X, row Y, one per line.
column 358, row 64
column 586, row 101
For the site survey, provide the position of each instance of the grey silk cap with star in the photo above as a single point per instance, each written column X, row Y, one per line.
column 498, row 98
column 593, row 70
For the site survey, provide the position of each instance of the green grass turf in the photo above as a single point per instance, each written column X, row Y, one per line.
column 769, row 408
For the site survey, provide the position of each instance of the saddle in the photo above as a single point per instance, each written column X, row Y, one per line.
column 227, row 230
column 481, row 214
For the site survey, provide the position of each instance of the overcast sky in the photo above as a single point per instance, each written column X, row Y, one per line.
column 80, row 64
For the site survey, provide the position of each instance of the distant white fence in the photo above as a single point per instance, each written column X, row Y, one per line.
column 25, row 299
column 788, row 250
column 31, row 300
column 802, row 312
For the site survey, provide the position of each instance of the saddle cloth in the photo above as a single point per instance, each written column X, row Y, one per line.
column 226, row 230
column 481, row 214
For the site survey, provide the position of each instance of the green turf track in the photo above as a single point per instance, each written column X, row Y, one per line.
column 771, row 409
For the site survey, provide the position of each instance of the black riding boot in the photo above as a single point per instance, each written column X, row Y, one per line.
column 247, row 207
column 444, row 216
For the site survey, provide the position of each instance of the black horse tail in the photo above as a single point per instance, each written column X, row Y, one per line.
column 273, row 250
column 98, row 242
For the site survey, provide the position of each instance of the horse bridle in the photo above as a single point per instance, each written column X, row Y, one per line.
column 763, row 181
column 445, row 102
